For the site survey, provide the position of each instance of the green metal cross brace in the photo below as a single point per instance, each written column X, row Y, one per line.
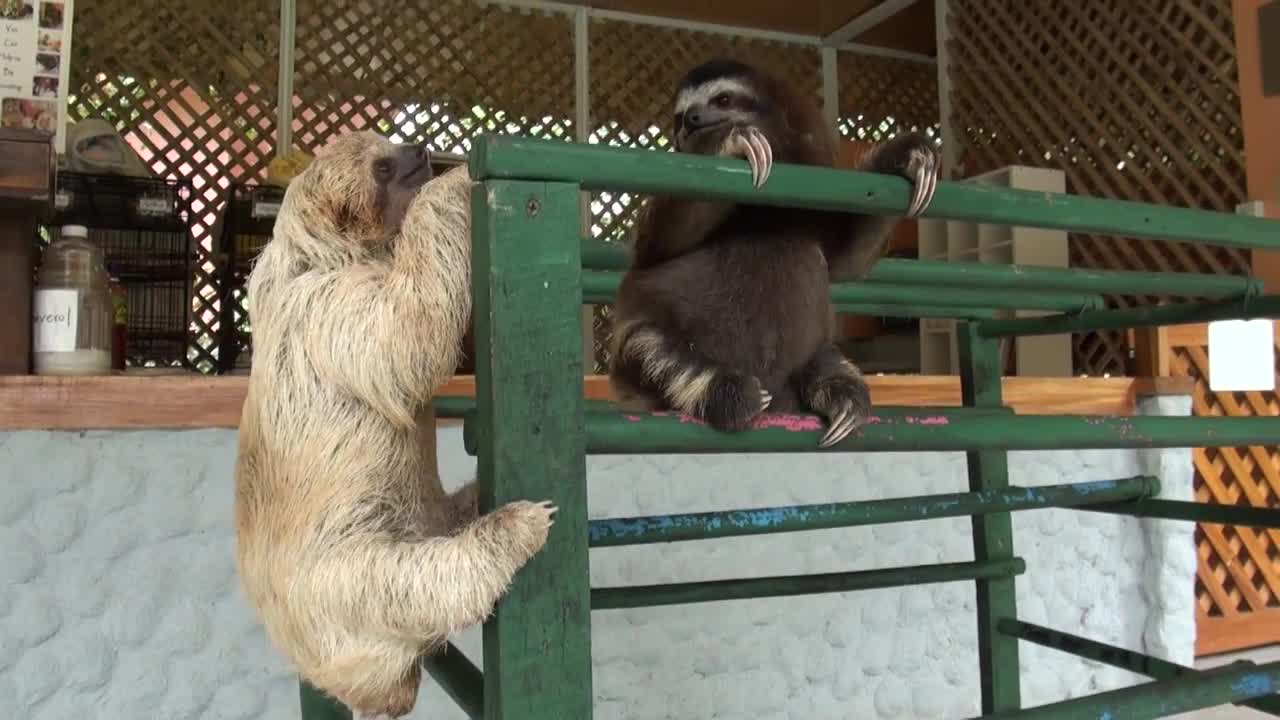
column 527, row 275
column 318, row 706
column 980, row 378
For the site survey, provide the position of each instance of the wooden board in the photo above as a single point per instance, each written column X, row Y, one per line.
column 131, row 402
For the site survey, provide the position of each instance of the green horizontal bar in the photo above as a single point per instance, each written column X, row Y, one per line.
column 996, row 299
column 453, row 406
column 597, row 284
column 956, row 312
column 459, row 678
column 716, row 590
column 605, row 255
column 598, row 167
column 1033, row 277
column 1134, row 662
column 606, row 408
column 601, row 255
column 872, row 309
column 913, row 431
column 1265, row 306
column 460, row 407
column 1239, row 515
column 734, row 523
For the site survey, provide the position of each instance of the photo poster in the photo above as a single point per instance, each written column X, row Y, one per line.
column 35, row 65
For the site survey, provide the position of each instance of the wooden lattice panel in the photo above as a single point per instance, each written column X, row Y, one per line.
column 1238, row 576
column 192, row 88
column 881, row 97
column 438, row 73
column 1131, row 100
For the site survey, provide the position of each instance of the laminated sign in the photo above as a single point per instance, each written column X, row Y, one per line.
column 35, row 54
column 1242, row 356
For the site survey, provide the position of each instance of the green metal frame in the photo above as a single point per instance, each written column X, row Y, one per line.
column 531, row 430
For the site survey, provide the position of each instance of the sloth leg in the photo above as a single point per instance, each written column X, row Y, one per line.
column 834, row 388
column 422, row 591
column 660, row 366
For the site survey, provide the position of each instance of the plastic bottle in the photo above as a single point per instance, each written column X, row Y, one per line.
column 72, row 315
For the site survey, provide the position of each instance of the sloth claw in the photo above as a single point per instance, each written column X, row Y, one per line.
column 846, row 404
column 753, row 145
column 922, row 170
column 844, row 422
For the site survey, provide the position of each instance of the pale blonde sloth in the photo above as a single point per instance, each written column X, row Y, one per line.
column 355, row 558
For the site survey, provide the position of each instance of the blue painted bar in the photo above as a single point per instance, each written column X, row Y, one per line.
column 616, row 532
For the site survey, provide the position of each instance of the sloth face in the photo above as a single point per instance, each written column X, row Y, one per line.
column 712, row 99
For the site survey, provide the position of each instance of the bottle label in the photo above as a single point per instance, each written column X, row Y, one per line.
column 121, row 307
column 55, row 316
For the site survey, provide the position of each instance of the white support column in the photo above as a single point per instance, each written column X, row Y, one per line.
column 284, row 96
column 950, row 143
column 582, row 133
column 831, row 88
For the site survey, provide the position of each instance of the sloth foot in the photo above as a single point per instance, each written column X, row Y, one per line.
column 527, row 523
column 913, row 156
column 734, row 401
column 846, row 403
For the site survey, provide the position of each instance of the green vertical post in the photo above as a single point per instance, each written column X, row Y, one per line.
column 318, row 706
column 526, row 269
column 980, row 378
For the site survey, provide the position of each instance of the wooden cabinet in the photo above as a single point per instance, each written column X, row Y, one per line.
column 27, row 166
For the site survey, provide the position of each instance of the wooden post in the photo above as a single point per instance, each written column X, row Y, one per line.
column 1260, row 115
column 527, row 274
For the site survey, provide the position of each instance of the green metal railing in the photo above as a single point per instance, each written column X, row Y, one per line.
column 531, row 429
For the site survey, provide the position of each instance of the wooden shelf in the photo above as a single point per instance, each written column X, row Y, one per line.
column 128, row 402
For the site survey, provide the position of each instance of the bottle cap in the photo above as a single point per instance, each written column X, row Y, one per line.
column 77, row 231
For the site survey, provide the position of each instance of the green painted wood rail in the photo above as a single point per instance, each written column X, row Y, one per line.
column 531, row 430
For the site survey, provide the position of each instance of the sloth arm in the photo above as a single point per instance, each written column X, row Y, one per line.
column 855, row 242
column 368, row 340
column 387, row 330
column 672, row 226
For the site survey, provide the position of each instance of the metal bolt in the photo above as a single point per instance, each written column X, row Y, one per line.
column 533, row 207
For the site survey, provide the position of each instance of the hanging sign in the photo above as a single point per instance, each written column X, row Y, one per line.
column 35, row 58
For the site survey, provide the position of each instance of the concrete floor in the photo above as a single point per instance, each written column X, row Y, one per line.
column 1230, row 712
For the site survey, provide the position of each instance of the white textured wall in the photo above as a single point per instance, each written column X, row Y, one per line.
column 118, row 597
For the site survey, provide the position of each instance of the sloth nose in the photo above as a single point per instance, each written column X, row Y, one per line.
column 694, row 118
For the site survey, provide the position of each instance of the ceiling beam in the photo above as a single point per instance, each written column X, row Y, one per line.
column 865, row 21
column 556, row 6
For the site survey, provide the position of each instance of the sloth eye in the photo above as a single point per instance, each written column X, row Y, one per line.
column 383, row 168
column 721, row 100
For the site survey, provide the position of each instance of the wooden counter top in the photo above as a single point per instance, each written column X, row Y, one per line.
column 135, row 402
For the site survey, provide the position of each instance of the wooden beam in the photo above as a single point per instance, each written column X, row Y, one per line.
column 1259, row 117
column 692, row 18
column 1217, row 635
column 137, row 402
column 865, row 21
